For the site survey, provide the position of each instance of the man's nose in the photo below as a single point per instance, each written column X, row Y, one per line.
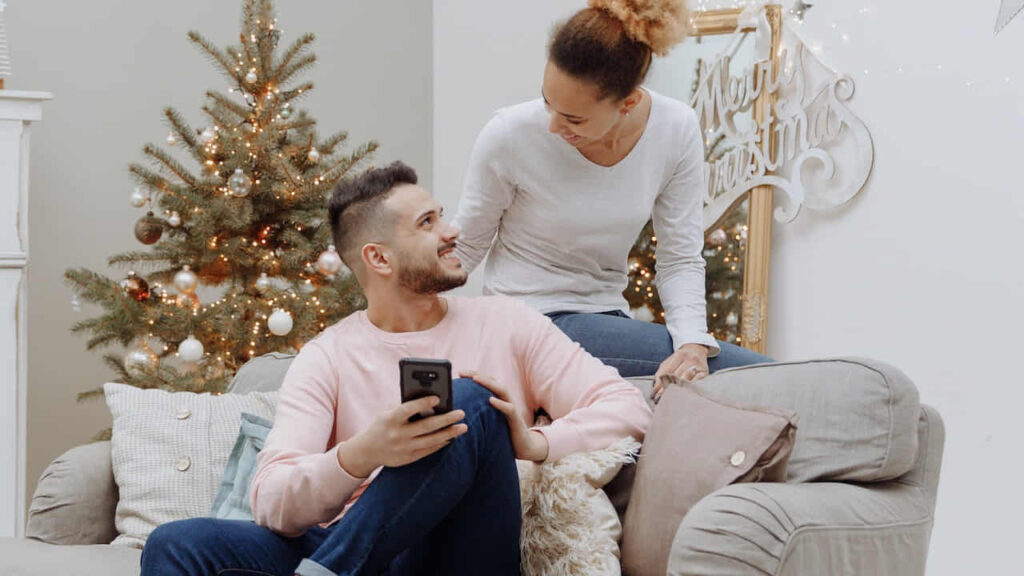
column 451, row 232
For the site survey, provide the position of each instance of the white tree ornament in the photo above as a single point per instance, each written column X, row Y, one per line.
column 1008, row 10
column 5, row 57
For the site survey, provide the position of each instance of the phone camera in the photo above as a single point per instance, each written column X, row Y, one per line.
column 425, row 378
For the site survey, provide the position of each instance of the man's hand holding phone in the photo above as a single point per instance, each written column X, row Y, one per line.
column 391, row 440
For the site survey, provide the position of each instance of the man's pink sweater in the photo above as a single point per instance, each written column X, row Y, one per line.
column 348, row 375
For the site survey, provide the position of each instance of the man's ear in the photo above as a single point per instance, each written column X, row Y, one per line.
column 377, row 259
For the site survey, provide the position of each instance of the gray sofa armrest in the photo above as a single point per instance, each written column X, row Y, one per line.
column 815, row 528
column 76, row 498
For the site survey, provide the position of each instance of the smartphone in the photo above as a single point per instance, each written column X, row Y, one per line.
column 425, row 377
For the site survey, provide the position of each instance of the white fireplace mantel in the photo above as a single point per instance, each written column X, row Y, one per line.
column 17, row 112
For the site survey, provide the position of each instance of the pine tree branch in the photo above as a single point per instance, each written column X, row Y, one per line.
column 185, row 132
column 99, row 341
column 215, row 55
column 298, row 124
column 171, row 164
column 290, row 54
column 242, row 112
column 265, row 38
column 90, row 394
column 295, row 93
column 344, row 165
column 294, row 68
column 154, row 181
column 328, row 145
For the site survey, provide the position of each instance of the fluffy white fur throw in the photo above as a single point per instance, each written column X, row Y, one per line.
column 569, row 525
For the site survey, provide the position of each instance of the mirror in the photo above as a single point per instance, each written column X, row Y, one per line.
column 737, row 222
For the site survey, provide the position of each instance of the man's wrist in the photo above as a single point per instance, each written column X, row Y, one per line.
column 539, row 446
column 350, row 460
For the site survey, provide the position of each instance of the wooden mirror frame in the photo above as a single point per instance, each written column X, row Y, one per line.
column 753, row 316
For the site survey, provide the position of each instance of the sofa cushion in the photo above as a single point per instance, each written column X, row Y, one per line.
column 261, row 374
column 696, row 445
column 75, row 499
column 232, row 500
column 169, row 451
column 21, row 557
column 858, row 417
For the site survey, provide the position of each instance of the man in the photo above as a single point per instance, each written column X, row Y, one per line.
column 346, row 484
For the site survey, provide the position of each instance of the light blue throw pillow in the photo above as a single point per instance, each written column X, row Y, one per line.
column 232, row 501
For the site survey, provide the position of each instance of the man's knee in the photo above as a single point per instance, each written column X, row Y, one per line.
column 170, row 540
column 469, row 395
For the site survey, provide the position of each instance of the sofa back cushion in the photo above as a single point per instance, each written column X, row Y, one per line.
column 75, row 499
column 858, row 417
column 261, row 374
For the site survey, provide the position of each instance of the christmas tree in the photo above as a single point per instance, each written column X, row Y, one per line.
column 725, row 246
column 251, row 228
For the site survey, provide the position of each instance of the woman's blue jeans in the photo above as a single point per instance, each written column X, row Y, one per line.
column 634, row 347
column 454, row 512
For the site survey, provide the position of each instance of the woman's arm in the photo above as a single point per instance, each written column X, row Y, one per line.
column 679, row 226
column 486, row 195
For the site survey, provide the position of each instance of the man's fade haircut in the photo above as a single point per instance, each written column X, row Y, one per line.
column 356, row 211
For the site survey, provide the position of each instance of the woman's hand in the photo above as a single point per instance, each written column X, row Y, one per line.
column 528, row 444
column 690, row 362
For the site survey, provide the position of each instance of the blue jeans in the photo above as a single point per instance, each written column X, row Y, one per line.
column 456, row 511
column 634, row 347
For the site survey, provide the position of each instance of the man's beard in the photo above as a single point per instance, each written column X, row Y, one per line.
column 428, row 279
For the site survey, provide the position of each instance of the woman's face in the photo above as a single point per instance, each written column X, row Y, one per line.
column 577, row 112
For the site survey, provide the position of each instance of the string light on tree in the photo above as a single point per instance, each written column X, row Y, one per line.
column 799, row 9
column 207, row 136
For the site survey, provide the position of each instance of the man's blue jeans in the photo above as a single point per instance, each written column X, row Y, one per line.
column 455, row 512
column 634, row 347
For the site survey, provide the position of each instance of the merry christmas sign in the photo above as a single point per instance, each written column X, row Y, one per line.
column 809, row 145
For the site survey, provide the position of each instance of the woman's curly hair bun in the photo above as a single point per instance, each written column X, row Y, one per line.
column 660, row 24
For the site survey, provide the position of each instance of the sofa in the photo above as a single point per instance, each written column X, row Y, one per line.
column 859, row 497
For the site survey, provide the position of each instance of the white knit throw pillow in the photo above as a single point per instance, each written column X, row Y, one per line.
column 169, row 450
column 569, row 525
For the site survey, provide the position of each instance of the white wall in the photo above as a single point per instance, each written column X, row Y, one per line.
column 922, row 269
column 113, row 66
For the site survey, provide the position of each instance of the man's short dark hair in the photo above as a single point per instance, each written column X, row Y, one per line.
column 356, row 211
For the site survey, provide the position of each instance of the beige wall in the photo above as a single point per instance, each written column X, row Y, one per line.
column 112, row 66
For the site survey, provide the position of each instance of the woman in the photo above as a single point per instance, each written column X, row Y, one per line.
column 559, row 188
